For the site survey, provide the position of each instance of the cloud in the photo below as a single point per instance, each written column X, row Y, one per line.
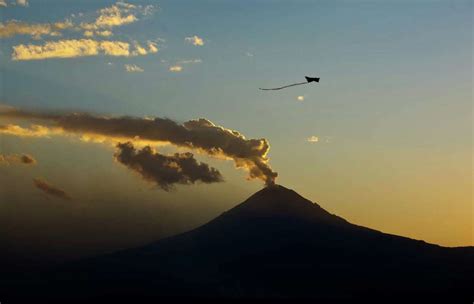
column 152, row 46
column 19, row 159
column 139, row 50
column 133, row 68
column 312, row 139
column 118, row 14
column 50, row 189
column 166, row 170
column 76, row 48
column 89, row 33
column 300, row 98
column 108, row 21
column 22, row 3
column 201, row 135
column 33, row 131
column 35, row 30
column 175, row 68
column 105, row 33
column 195, row 40
column 27, row 159
column 178, row 66
column 190, row 61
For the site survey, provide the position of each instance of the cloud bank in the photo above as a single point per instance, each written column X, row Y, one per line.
column 107, row 19
column 36, row 30
column 116, row 15
column 77, row 48
column 166, row 170
column 201, row 135
column 50, row 189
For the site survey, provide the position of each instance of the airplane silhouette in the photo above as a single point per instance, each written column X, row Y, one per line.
column 308, row 80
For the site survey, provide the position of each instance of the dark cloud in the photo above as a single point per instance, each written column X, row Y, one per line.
column 200, row 134
column 166, row 170
column 19, row 159
column 27, row 159
column 50, row 189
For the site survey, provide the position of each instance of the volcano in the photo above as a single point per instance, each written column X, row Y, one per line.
column 276, row 245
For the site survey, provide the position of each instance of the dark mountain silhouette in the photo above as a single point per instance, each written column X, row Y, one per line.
column 276, row 245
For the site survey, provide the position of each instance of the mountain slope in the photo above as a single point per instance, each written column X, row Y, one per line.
column 274, row 245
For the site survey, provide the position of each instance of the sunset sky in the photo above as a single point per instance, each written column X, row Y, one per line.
column 384, row 140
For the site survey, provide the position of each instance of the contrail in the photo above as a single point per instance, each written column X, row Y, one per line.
column 308, row 80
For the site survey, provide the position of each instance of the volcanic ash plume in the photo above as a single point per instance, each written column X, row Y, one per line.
column 164, row 170
column 50, row 189
column 201, row 135
column 17, row 159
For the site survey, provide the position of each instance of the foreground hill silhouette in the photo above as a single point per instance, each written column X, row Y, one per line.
column 276, row 245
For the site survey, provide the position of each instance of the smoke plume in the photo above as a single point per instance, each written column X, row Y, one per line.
column 200, row 134
column 50, row 189
column 17, row 159
column 166, row 170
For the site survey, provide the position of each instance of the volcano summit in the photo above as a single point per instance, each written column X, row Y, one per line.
column 275, row 245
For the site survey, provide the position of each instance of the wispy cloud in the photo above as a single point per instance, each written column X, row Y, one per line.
column 166, row 170
column 133, row 68
column 153, row 45
column 76, row 48
column 190, row 61
column 17, row 159
column 35, row 30
column 195, row 40
column 105, row 33
column 50, row 189
column 116, row 15
column 22, row 2
column 175, row 68
column 179, row 65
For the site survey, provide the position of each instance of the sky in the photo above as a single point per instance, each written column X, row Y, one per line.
column 384, row 140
